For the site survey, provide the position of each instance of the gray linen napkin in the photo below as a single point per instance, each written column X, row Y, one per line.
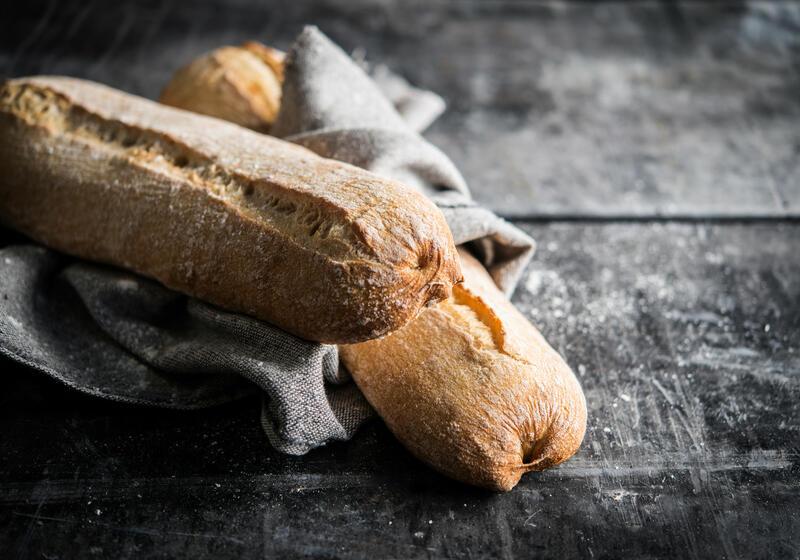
column 113, row 334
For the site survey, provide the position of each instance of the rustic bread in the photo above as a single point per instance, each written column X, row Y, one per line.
column 472, row 388
column 239, row 84
column 322, row 249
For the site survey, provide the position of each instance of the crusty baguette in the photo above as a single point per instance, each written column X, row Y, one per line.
column 472, row 388
column 322, row 249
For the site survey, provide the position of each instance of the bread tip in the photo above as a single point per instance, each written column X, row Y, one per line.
column 439, row 259
column 437, row 291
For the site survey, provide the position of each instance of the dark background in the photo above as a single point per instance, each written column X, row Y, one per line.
column 653, row 150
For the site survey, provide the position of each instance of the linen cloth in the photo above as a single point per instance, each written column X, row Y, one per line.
column 113, row 334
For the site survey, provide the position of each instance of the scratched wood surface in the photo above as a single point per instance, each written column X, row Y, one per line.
column 685, row 336
column 556, row 109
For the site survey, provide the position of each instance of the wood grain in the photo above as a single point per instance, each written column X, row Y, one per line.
column 685, row 335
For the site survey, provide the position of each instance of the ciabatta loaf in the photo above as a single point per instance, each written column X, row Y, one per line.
column 256, row 225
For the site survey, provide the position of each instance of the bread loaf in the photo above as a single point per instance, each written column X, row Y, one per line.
column 472, row 388
column 322, row 249
column 239, row 84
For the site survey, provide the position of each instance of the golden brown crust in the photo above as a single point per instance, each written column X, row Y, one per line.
column 472, row 388
column 322, row 249
column 238, row 84
column 273, row 58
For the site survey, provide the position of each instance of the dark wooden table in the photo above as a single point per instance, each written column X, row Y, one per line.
column 653, row 150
